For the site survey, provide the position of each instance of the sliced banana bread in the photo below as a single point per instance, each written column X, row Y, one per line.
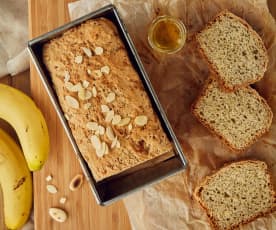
column 239, row 118
column 237, row 194
column 235, row 52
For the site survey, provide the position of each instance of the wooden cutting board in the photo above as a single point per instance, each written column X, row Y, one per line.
column 83, row 212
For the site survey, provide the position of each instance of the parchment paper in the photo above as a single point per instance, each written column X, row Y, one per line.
column 177, row 80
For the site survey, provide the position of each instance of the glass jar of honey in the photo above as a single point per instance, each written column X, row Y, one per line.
column 167, row 34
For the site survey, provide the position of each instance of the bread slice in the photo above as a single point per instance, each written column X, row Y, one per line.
column 237, row 194
column 235, row 52
column 239, row 118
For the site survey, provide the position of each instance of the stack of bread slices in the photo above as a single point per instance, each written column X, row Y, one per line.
column 235, row 112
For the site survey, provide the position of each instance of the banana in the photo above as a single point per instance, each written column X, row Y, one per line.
column 16, row 183
column 23, row 115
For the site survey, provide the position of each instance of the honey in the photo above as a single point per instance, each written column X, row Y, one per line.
column 167, row 34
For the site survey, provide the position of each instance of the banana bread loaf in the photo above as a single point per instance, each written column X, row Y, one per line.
column 103, row 99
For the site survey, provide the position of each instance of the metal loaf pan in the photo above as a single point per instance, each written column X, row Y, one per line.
column 114, row 188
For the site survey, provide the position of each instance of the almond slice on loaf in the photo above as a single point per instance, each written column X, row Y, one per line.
column 235, row 52
column 239, row 118
column 237, row 194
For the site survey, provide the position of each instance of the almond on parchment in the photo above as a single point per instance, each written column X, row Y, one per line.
column 78, row 59
column 87, row 51
column 72, row 102
column 141, row 120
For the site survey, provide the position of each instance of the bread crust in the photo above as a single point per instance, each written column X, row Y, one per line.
column 198, row 189
column 212, row 66
column 214, row 132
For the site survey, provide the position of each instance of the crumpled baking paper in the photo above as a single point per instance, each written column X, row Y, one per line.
column 177, row 80
column 14, row 57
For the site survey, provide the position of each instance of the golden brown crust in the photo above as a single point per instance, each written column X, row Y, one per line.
column 213, row 131
column 138, row 144
column 198, row 189
column 213, row 67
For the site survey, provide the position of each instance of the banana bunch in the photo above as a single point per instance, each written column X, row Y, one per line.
column 15, row 179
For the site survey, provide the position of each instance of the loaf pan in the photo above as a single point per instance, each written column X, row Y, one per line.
column 112, row 189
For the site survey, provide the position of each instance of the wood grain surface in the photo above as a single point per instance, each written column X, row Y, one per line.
column 62, row 164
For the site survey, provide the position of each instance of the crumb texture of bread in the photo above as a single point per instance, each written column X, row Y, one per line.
column 238, row 117
column 236, row 194
column 234, row 50
column 103, row 99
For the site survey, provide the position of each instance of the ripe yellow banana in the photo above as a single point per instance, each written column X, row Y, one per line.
column 21, row 112
column 15, row 181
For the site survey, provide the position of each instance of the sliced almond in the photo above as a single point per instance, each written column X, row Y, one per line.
column 110, row 97
column 89, row 71
column 98, row 50
column 100, row 152
column 62, row 200
column 87, row 106
column 94, row 91
column 129, row 127
column 96, row 142
column 92, row 126
column 49, row 178
column 105, row 69
column 81, row 94
column 105, row 148
column 118, row 145
column 109, row 116
column 141, row 120
column 114, row 142
column 87, row 51
column 68, row 85
column 124, row 121
column 51, row 188
column 77, row 87
column 101, row 130
column 97, row 132
column 85, row 84
column 78, row 59
column 58, row 214
column 109, row 133
column 72, row 102
column 97, row 73
column 76, row 182
column 66, row 76
column 104, row 108
column 84, row 94
column 116, row 119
